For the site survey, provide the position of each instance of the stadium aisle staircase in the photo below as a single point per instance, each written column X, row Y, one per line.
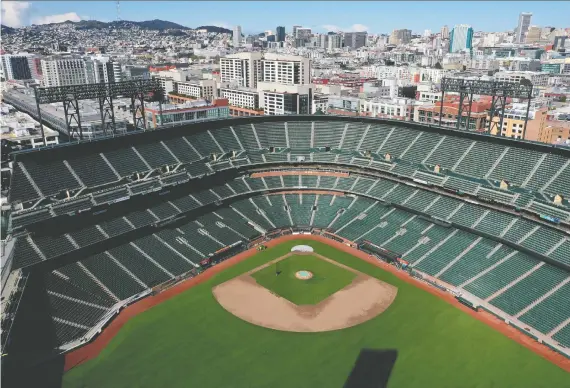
column 144, row 269
column 436, row 261
column 529, row 289
column 549, row 313
column 328, row 134
column 517, row 176
column 476, row 260
column 501, row 276
column 182, row 149
column 113, row 276
column 92, row 170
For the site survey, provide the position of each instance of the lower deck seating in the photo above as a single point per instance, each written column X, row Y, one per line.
column 479, row 265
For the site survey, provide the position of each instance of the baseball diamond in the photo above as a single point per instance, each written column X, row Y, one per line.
column 285, row 306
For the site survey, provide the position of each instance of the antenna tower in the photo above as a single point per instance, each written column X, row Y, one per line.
column 118, row 11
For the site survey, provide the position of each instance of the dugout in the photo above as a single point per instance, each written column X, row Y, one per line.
column 223, row 254
column 374, row 249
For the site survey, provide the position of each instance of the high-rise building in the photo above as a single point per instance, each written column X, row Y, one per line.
column 103, row 70
column 444, row 32
column 334, row 41
column 280, row 34
column 295, row 30
column 286, row 69
column 237, row 36
column 323, row 40
column 303, row 34
column 17, row 66
column 243, row 69
column 355, row 39
column 461, row 38
column 427, row 33
column 400, row 37
column 523, row 26
column 559, row 43
column 63, row 71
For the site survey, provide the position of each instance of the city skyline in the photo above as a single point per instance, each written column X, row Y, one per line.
column 343, row 16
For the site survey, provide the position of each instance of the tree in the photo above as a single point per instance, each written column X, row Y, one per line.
column 438, row 66
column 526, row 82
column 563, row 99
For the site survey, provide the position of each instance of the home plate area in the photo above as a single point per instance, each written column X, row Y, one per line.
column 304, row 292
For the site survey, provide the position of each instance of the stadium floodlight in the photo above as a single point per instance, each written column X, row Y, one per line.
column 138, row 90
column 499, row 91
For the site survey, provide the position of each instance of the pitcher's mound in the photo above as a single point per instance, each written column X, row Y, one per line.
column 304, row 275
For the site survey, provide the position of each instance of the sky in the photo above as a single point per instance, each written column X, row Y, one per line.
column 321, row 16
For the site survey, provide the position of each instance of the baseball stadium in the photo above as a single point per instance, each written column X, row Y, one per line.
column 289, row 251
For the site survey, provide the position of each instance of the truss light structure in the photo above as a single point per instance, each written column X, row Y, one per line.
column 499, row 91
column 137, row 90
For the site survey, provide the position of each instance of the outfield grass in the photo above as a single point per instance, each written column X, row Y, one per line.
column 327, row 279
column 191, row 341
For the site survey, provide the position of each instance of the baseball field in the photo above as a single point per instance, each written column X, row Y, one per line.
column 191, row 340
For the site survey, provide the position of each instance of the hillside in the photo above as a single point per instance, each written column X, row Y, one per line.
column 155, row 24
column 216, row 29
column 7, row 30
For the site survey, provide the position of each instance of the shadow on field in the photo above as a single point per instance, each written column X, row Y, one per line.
column 29, row 359
column 372, row 369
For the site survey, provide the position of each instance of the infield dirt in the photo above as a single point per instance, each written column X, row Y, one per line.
column 360, row 301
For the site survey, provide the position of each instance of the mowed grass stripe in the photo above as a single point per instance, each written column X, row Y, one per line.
column 327, row 279
column 191, row 341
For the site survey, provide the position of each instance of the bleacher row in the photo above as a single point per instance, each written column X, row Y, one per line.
column 544, row 240
column 471, row 166
column 510, row 280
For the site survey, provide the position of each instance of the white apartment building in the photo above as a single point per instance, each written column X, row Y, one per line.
column 64, row 71
column 200, row 88
column 397, row 72
column 537, row 78
column 286, row 69
column 167, row 84
column 394, row 108
column 241, row 97
column 242, row 69
column 483, row 63
column 279, row 99
column 429, row 96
